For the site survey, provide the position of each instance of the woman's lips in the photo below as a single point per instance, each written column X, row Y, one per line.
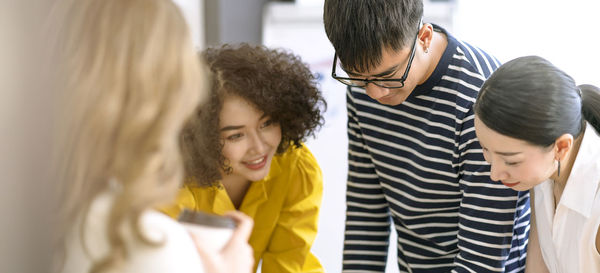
column 257, row 163
column 510, row 184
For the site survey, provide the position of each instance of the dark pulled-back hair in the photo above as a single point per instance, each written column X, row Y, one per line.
column 360, row 29
column 274, row 81
column 530, row 99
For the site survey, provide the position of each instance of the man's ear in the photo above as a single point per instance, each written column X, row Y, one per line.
column 425, row 36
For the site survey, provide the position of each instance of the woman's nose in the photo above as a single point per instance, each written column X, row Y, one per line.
column 497, row 173
column 257, row 143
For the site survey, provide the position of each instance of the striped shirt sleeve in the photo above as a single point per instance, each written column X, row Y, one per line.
column 487, row 209
column 367, row 216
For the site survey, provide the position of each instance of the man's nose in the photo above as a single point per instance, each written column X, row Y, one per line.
column 376, row 92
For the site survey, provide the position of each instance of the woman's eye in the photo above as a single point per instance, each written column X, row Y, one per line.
column 234, row 137
column 267, row 123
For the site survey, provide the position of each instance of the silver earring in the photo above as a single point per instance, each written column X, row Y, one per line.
column 427, row 50
column 558, row 173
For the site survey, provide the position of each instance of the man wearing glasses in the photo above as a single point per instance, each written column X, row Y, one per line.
column 413, row 154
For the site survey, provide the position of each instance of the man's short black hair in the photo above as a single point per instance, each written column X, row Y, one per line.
column 360, row 29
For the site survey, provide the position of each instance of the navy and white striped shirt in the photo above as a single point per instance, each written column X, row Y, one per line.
column 420, row 163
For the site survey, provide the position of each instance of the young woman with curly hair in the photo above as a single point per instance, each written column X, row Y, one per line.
column 243, row 151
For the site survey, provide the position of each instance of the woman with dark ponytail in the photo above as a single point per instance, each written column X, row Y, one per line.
column 540, row 131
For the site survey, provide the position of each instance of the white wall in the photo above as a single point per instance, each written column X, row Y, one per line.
column 564, row 32
column 193, row 11
column 25, row 139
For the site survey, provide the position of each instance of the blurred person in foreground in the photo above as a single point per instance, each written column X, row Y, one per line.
column 129, row 78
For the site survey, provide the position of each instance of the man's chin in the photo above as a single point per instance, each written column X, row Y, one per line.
column 391, row 100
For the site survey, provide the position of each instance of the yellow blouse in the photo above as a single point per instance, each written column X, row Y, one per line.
column 284, row 206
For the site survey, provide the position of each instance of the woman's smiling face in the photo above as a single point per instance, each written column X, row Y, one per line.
column 250, row 139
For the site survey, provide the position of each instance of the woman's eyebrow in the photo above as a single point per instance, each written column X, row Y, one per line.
column 233, row 127
column 507, row 153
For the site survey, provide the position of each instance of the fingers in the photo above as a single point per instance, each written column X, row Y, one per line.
column 244, row 226
column 237, row 249
column 211, row 260
column 197, row 242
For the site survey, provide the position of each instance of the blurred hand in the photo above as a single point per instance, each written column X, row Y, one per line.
column 237, row 255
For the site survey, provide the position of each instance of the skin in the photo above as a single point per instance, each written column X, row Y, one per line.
column 393, row 65
column 535, row 260
column 514, row 162
column 250, row 141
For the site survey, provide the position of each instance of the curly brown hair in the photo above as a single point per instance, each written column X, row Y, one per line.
column 274, row 81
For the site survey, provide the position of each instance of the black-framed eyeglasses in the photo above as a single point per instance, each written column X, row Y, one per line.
column 385, row 83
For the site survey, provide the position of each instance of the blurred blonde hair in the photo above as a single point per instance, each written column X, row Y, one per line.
column 128, row 79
